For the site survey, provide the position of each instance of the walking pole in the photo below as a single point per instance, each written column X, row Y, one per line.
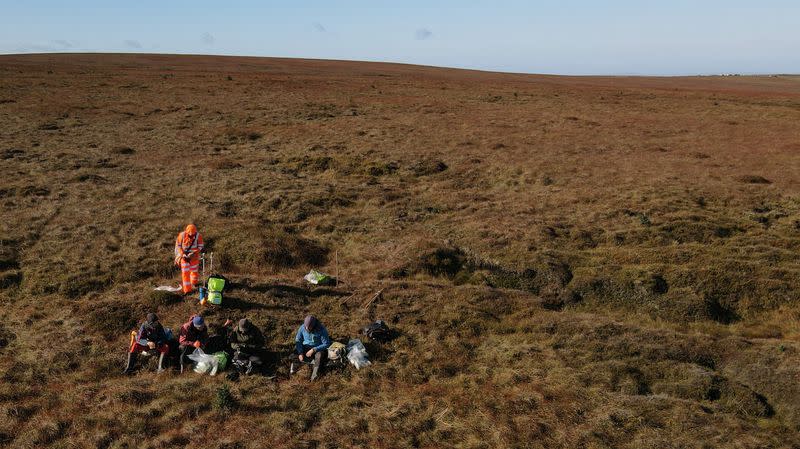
column 212, row 262
column 202, row 279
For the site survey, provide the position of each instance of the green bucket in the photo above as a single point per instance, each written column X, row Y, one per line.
column 216, row 284
column 215, row 298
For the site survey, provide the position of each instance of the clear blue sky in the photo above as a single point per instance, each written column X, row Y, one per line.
column 665, row 37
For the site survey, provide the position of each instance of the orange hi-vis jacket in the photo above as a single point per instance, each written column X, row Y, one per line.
column 187, row 246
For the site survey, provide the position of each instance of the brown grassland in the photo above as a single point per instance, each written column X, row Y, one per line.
column 578, row 262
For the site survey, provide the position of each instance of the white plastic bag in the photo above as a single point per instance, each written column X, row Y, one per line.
column 318, row 278
column 357, row 354
column 167, row 288
column 204, row 363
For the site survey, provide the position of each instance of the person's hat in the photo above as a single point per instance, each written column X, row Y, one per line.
column 198, row 321
column 310, row 322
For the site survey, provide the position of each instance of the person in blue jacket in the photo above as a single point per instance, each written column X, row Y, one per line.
column 311, row 342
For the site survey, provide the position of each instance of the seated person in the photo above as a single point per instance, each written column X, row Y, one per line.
column 151, row 336
column 218, row 338
column 311, row 342
column 193, row 334
column 247, row 343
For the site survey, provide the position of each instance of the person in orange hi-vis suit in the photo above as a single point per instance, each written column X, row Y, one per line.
column 188, row 246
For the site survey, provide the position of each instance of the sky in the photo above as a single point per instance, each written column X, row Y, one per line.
column 571, row 37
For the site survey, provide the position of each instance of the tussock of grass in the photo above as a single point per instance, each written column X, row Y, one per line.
column 256, row 249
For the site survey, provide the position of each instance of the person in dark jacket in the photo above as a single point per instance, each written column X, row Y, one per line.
column 247, row 343
column 151, row 336
column 193, row 335
column 312, row 341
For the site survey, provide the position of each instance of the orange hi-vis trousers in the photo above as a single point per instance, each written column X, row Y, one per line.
column 190, row 265
column 190, row 273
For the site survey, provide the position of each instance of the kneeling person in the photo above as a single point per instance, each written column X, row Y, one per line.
column 151, row 336
column 248, row 345
column 312, row 341
column 193, row 335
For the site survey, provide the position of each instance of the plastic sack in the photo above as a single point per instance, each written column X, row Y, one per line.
column 167, row 288
column 317, row 278
column 357, row 354
column 204, row 363
column 222, row 360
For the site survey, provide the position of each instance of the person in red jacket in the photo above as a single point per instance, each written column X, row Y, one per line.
column 193, row 334
column 188, row 246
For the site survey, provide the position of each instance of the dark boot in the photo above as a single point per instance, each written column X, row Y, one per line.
column 130, row 364
column 184, row 356
column 160, row 363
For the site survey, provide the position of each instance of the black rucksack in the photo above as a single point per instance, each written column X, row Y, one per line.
column 378, row 331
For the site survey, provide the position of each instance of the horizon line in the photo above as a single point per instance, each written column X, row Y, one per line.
column 464, row 68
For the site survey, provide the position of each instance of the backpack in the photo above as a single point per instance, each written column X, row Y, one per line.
column 378, row 331
column 337, row 355
column 216, row 285
column 336, row 351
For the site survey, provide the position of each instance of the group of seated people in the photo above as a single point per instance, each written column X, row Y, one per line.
column 244, row 342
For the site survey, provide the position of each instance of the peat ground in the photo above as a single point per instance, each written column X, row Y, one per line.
column 579, row 262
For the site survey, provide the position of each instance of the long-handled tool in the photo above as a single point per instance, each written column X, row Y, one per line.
column 201, row 288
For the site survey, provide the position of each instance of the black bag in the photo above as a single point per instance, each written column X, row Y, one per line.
column 246, row 363
column 378, row 331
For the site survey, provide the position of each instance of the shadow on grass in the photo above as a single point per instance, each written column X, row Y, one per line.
column 284, row 290
column 235, row 303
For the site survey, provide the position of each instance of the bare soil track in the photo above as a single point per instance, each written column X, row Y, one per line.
column 578, row 262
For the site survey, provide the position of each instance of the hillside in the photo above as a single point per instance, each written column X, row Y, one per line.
column 578, row 262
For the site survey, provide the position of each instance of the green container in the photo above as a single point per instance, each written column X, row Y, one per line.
column 215, row 298
column 216, row 284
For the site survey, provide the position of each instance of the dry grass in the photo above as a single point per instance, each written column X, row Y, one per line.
column 568, row 262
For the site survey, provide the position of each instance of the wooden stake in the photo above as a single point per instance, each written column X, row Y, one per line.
column 344, row 301
column 366, row 304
